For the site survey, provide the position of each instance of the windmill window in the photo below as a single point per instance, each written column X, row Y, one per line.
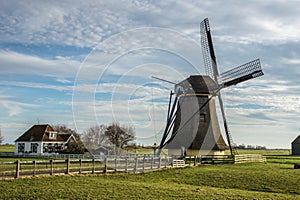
column 202, row 117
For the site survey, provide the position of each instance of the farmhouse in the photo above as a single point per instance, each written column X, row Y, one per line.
column 296, row 146
column 42, row 139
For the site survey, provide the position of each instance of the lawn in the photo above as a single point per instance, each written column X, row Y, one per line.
column 282, row 156
column 275, row 179
column 7, row 148
column 264, row 152
column 224, row 181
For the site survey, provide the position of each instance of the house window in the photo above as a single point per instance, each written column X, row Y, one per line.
column 53, row 135
column 21, row 147
column 56, row 147
column 50, row 148
column 33, row 147
column 45, row 148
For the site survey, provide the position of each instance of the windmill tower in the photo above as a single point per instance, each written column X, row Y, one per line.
column 192, row 124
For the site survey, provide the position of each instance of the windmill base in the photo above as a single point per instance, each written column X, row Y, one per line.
column 194, row 152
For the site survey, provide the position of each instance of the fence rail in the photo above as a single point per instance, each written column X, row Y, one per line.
column 208, row 159
column 80, row 166
column 244, row 158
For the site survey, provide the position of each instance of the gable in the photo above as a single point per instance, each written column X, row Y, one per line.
column 65, row 136
column 297, row 140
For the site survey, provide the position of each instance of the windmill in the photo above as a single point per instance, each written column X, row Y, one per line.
column 192, row 123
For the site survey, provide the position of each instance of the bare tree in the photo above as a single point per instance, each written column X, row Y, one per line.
column 61, row 128
column 1, row 137
column 120, row 136
column 94, row 137
column 76, row 147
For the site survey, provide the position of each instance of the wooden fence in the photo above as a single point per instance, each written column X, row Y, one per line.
column 222, row 159
column 208, row 159
column 133, row 164
column 178, row 163
column 80, row 166
column 244, row 158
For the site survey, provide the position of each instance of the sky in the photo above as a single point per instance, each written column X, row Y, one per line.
column 87, row 63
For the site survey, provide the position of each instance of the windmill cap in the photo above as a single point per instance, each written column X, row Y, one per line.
column 196, row 84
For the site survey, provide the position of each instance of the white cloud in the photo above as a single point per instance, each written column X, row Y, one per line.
column 74, row 23
column 36, row 85
column 17, row 63
column 15, row 108
column 241, row 31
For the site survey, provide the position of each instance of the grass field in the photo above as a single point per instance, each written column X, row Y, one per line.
column 275, row 179
column 6, row 148
column 224, row 181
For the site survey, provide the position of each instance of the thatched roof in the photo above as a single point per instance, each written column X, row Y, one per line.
column 39, row 133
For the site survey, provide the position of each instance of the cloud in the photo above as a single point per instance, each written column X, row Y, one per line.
column 14, row 108
column 124, row 58
column 17, row 63
column 74, row 23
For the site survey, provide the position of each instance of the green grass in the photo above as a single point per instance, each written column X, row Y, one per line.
column 283, row 159
column 282, row 156
column 275, row 180
column 240, row 181
column 7, row 148
column 9, row 159
column 263, row 152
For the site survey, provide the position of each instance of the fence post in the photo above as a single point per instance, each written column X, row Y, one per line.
column 115, row 164
column 17, row 169
column 136, row 165
column 68, row 165
column 159, row 162
column 93, row 170
column 34, row 167
column 80, row 166
column 166, row 162
column 152, row 160
column 51, row 167
column 144, row 163
column 126, row 164
column 105, row 165
column 195, row 160
column 200, row 160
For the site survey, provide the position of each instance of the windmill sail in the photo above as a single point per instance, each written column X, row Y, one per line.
column 211, row 69
column 241, row 73
column 210, row 61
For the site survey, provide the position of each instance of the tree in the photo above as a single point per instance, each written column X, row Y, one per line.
column 73, row 148
column 61, row 128
column 94, row 137
column 119, row 135
column 1, row 137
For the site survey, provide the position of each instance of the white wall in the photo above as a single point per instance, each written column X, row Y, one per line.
column 28, row 147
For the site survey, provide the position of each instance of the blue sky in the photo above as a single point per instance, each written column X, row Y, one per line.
column 87, row 63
